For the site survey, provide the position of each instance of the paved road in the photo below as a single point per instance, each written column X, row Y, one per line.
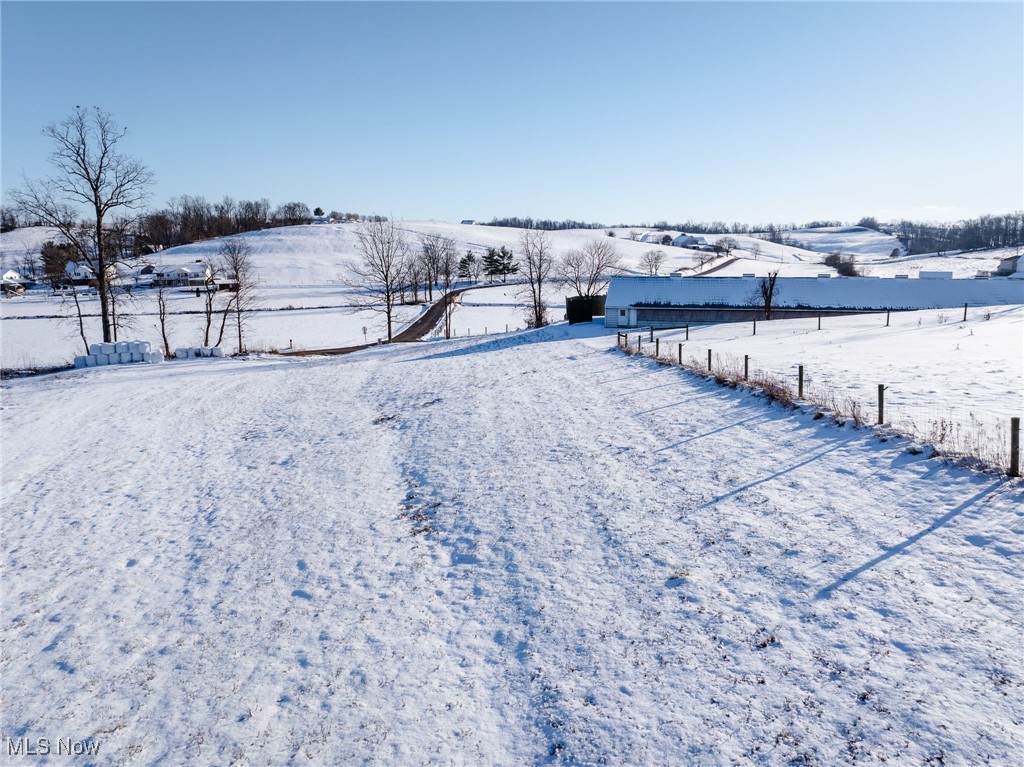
column 419, row 328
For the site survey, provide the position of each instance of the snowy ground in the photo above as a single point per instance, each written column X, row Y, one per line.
column 936, row 368
column 527, row 549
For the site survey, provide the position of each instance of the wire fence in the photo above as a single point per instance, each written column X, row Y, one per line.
column 986, row 435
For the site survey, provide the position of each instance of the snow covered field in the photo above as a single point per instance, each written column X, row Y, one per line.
column 527, row 549
column 305, row 267
column 938, row 370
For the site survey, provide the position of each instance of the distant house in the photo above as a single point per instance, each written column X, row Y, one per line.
column 468, row 221
column 193, row 275
column 688, row 241
column 13, row 284
column 79, row 274
column 659, row 238
column 1011, row 265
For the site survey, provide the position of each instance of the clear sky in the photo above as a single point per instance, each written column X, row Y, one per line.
column 610, row 112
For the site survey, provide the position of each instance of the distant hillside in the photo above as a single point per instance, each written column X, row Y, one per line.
column 849, row 240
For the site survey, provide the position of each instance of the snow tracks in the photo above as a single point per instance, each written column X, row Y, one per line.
column 516, row 550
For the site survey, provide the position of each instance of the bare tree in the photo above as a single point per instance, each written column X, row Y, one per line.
column 447, row 271
column 652, row 261
column 435, row 250
column 727, row 244
column 538, row 261
column 377, row 276
column 588, row 269
column 93, row 174
column 755, row 250
column 767, row 292
column 236, row 262
column 163, row 315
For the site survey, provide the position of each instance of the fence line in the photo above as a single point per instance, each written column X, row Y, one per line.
column 950, row 429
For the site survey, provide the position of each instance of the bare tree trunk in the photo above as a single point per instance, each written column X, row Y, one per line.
column 161, row 303
column 81, row 321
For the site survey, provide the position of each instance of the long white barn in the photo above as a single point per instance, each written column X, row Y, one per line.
column 672, row 301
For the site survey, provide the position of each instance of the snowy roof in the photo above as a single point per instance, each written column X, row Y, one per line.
column 815, row 292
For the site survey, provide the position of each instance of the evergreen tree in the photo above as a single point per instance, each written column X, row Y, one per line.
column 492, row 264
column 508, row 266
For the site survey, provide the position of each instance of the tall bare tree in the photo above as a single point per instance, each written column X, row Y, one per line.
column 538, row 261
column 92, row 174
column 163, row 314
column 236, row 263
column 652, row 261
column 767, row 293
column 588, row 269
column 377, row 276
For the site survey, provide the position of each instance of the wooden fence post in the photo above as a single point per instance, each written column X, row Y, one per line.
column 652, row 332
column 657, row 347
column 746, row 367
column 965, row 312
column 881, row 404
column 680, row 354
column 819, row 320
column 887, row 318
column 709, row 360
column 800, row 383
column 639, row 343
column 1014, row 447
column 687, row 332
column 755, row 326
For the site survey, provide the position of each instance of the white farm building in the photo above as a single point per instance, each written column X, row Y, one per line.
column 674, row 301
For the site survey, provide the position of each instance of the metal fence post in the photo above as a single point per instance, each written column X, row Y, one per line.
column 755, row 326
column 881, row 404
column 687, row 332
column 709, row 360
column 746, row 367
column 652, row 332
column 657, row 347
column 680, row 354
column 800, row 383
column 965, row 312
column 1014, row 447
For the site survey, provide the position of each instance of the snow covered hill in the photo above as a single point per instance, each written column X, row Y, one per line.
column 525, row 550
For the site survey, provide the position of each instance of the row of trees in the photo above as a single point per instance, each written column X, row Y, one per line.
column 390, row 269
column 970, row 234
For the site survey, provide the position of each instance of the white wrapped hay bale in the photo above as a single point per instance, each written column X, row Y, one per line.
column 181, row 354
column 155, row 356
column 90, row 361
column 216, row 351
column 134, row 347
column 146, row 346
column 126, row 356
column 137, row 356
column 204, row 351
column 95, row 349
column 102, row 359
column 121, row 347
column 107, row 349
column 80, row 361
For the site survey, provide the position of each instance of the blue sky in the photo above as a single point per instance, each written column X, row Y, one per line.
column 610, row 112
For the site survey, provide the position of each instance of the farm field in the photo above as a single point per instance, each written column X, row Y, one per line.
column 522, row 549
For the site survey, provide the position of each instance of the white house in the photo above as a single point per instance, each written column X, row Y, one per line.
column 1011, row 267
column 195, row 274
column 658, row 238
column 688, row 241
column 79, row 274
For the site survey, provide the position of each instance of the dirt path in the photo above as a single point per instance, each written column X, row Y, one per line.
column 419, row 328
